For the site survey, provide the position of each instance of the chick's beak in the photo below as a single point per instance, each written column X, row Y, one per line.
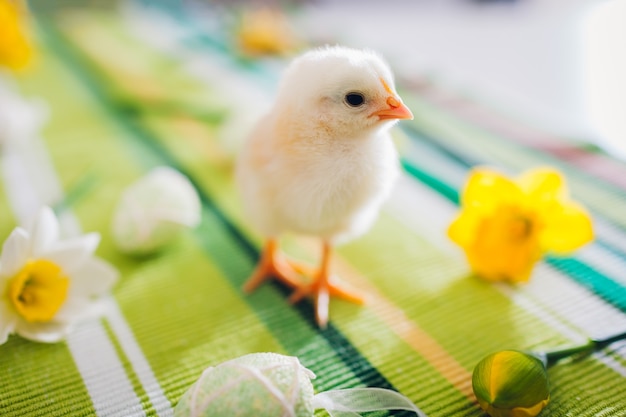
column 395, row 110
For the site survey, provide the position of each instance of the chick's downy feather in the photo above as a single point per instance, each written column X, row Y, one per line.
column 321, row 162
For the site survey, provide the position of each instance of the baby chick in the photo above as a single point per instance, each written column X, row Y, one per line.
column 321, row 163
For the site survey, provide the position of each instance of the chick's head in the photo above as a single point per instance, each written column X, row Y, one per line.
column 345, row 92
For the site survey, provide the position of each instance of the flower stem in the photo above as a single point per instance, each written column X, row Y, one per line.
column 554, row 356
column 601, row 343
column 592, row 345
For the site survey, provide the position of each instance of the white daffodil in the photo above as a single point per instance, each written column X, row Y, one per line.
column 47, row 284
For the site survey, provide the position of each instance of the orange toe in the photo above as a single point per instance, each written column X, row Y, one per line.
column 322, row 289
column 331, row 286
column 324, row 285
column 272, row 265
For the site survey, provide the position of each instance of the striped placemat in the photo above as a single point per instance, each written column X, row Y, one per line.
column 123, row 101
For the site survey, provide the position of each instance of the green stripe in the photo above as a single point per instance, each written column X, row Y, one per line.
column 30, row 371
column 433, row 182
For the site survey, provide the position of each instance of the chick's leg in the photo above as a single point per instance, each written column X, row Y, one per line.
column 272, row 265
column 323, row 286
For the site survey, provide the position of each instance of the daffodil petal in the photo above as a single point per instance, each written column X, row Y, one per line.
column 48, row 332
column 93, row 278
column 487, row 189
column 542, row 184
column 45, row 232
column 74, row 308
column 15, row 50
column 7, row 321
column 567, row 228
column 463, row 229
column 71, row 253
column 14, row 253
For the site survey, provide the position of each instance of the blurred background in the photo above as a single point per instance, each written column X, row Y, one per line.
column 556, row 65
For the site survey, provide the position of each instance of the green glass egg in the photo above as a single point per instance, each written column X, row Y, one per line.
column 511, row 384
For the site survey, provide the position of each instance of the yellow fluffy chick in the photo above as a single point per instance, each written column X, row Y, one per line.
column 321, row 163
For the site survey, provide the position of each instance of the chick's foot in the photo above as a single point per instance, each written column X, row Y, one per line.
column 324, row 286
column 321, row 290
column 273, row 265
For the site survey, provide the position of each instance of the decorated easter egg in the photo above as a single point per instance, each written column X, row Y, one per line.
column 254, row 385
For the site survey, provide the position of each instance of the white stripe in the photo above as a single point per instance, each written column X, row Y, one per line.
column 611, row 235
column 138, row 361
column 591, row 314
column 611, row 363
column 30, row 182
column 422, row 210
column 431, row 160
column 110, row 389
column 522, row 300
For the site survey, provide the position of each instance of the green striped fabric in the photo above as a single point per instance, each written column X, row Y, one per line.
column 122, row 103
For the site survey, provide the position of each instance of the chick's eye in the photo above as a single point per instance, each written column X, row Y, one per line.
column 355, row 99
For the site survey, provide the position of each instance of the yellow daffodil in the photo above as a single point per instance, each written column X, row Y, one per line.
column 47, row 284
column 505, row 226
column 15, row 48
column 265, row 32
column 511, row 384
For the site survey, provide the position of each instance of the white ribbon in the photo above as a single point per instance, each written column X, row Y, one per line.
column 348, row 402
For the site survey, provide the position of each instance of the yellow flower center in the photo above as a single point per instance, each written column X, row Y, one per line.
column 520, row 227
column 39, row 290
column 507, row 244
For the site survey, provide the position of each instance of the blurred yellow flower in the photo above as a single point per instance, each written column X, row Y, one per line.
column 505, row 226
column 15, row 48
column 266, row 32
